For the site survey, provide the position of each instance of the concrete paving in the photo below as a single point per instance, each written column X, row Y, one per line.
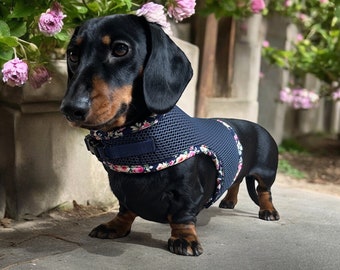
column 306, row 237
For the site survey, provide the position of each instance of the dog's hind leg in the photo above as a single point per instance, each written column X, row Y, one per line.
column 267, row 209
column 261, row 196
column 119, row 226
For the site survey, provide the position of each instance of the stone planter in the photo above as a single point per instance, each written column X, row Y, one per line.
column 187, row 102
column 43, row 161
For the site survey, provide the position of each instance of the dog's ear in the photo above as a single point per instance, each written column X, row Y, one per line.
column 166, row 73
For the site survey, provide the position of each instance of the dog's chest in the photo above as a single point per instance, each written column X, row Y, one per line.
column 166, row 140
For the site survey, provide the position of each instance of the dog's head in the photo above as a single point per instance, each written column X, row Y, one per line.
column 122, row 68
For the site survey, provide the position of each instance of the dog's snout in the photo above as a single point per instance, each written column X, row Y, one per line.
column 75, row 111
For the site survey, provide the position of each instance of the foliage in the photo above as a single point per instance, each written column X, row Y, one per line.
column 299, row 98
column 291, row 146
column 286, row 168
column 19, row 21
column 232, row 8
column 34, row 32
column 316, row 49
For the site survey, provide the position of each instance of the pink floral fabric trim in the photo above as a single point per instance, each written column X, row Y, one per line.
column 99, row 135
column 191, row 152
column 175, row 159
column 238, row 145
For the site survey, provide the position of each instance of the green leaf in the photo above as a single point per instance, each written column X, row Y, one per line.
column 9, row 41
column 334, row 21
column 94, row 7
column 22, row 10
column 4, row 29
column 228, row 6
column 81, row 10
column 337, row 12
column 62, row 36
column 5, row 54
column 19, row 29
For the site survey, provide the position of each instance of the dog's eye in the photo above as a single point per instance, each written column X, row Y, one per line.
column 120, row 49
column 73, row 56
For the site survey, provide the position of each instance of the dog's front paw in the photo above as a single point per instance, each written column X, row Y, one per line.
column 103, row 231
column 269, row 214
column 184, row 240
column 183, row 246
column 118, row 227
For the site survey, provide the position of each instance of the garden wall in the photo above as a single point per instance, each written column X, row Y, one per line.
column 282, row 121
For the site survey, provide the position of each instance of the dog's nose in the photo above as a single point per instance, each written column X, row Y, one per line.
column 74, row 111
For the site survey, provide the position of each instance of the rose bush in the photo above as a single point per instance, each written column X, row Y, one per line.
column 299, row 98
column 316, row 49
column 234, row 8
column 32, row 33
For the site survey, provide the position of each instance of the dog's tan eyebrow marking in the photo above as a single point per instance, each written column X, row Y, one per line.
column 141, row 70
column 79, row 40
column 106, row 40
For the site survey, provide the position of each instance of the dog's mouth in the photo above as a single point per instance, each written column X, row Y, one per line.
column 107, row 107
column 116, row 121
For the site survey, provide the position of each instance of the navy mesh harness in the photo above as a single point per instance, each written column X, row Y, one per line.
column 165, row 140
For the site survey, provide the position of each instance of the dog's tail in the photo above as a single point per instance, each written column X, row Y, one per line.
column 250, row 181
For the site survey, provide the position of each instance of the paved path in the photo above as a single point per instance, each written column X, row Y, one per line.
column 306, row 237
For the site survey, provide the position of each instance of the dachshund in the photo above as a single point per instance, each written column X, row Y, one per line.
column 125, row 76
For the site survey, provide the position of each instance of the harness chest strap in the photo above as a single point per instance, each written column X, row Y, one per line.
column 127, row 156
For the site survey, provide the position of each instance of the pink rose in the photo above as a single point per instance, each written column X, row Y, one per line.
column 171, row 163
column 145, row 125
column 51, row 22
column 181, row 9
column 39, row 76
column 336, row 95
column 286, row 95
column 161, row 166
column 303, row 17
column 265, row 44
column 154, row 13
column 191, row 154
column 118, row 168
column 299, row 98
column 138, row 169
column 257, row 6
column 181, row 158
column 299, row 37
column 288, row 3
column 15, row 72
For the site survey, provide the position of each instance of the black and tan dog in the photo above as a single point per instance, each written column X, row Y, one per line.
column 126, row 75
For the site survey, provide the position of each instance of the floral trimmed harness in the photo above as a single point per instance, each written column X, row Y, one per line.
column 162, row 141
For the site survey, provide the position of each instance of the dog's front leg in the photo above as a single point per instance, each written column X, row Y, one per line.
column 184, row 240
column 119, row 226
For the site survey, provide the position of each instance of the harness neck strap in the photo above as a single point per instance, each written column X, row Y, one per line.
column 99, row 143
